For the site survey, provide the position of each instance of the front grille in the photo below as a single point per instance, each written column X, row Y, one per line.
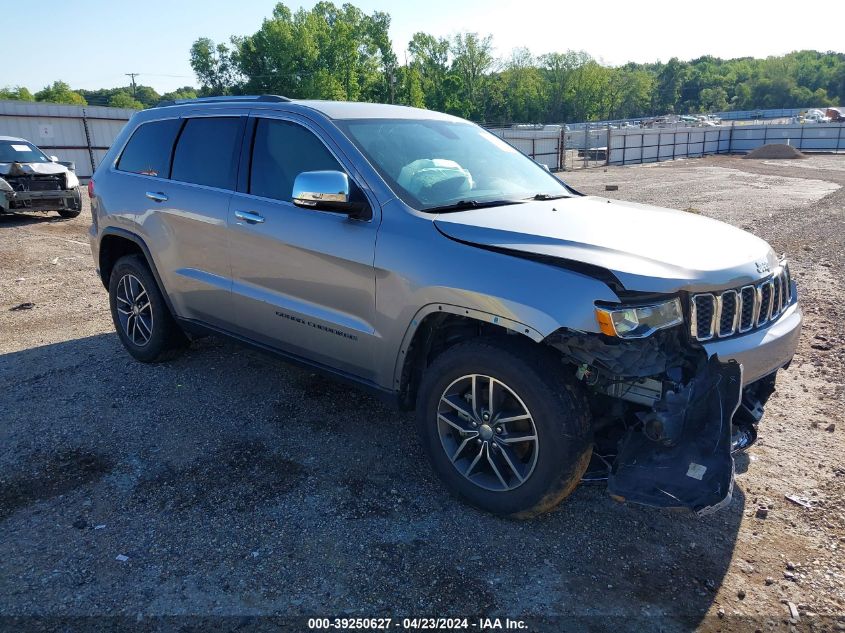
column 36, row 183
column 765, row 293
column 728, row 313
column 746, row 312
column 739, row 310
column 704, row 308
column 45, row 184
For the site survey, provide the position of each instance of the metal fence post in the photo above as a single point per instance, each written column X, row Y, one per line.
column 659, row 141
column 839, row 137
column 561, row 156
column 586, row 145
column 88, row 141
column 607, row 151
column 624, row 147
column 731, row 139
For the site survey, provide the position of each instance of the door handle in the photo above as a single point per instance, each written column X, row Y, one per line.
column 156, row 196
column 249, row 216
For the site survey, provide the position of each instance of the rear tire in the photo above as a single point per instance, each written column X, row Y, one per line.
column 483, row 452
column 141, row 317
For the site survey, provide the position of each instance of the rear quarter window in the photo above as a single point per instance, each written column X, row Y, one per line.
column 148, row 151
column 207, row 152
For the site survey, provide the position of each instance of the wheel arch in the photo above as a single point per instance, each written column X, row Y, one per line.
column 116, row 243
column 437, row 327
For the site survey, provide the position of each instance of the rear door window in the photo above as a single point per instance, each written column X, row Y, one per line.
column 148, row 151
column 207, row 152
column 281, row 151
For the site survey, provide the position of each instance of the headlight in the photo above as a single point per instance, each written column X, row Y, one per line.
column 639, row 321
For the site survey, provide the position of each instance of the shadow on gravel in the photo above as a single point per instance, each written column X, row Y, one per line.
column 48, row 477
column 24, row 219
column 241, row 476
column 335, row 508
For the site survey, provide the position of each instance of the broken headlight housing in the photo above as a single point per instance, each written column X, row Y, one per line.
column 641, row 320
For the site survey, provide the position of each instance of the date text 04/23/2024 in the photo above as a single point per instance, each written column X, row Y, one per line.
column 430, row 624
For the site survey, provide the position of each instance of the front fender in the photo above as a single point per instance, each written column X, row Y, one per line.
column 419, row 271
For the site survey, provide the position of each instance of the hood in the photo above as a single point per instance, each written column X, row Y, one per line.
column 648, row 249
column 38, row 169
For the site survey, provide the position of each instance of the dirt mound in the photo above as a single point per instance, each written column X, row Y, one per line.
column 775, row 150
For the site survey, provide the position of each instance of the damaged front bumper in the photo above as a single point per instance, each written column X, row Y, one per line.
column 763, row 351
column 669, row 414
column 11, row 201
column 695, row 469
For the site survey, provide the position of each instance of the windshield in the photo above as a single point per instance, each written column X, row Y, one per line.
column 21, row 152
column 432, row 164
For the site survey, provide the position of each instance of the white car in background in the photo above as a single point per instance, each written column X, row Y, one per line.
column 32, row 181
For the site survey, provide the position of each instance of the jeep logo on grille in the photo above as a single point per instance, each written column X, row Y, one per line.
column 762, row 267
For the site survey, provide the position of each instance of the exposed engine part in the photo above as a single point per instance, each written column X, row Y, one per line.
column 696, row 470
column 599, row 468
column 754, row 398
column 743, row 436
column 645, row 391
column 635, row 358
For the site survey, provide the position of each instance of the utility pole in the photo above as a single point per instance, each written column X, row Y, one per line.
column 132, row 76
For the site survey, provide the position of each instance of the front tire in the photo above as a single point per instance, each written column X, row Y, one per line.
column 141, row 317
column 76, row 209
column 505, row 428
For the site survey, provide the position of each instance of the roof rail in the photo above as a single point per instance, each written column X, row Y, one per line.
column 226, row 99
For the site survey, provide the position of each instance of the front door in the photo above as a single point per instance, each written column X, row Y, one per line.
column 302, row 280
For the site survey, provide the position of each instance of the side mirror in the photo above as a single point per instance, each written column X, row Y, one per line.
column 543, row 165
column 53, row 159
column 325, row 191
column 68, row 163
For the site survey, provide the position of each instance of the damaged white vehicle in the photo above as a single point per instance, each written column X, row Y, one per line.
column 32, row 181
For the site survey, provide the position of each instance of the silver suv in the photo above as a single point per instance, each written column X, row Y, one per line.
column 543, row 336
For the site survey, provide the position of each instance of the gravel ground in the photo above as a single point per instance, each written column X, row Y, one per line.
column 225, row 483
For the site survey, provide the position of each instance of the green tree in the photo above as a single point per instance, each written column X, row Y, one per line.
column 145, row 95
column 524, row 88
column 60, row 92
column 213, row 66
column 185, row 92
column 472, row 59
column 323, row 53
column 430, row 58
column 124, row 100
column 670, row 81
column 18, row 93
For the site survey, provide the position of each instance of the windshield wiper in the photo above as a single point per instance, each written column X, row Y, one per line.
column 548, row 196
column 462, row 205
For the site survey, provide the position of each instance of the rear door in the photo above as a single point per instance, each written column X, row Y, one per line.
column 303, row 280
column 180, row 174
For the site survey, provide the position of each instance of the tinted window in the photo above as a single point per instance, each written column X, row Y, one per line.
column 207, row 152
column 148, row 151
column 281, row 151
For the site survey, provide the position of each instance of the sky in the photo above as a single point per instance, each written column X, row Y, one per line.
column 93, row 43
